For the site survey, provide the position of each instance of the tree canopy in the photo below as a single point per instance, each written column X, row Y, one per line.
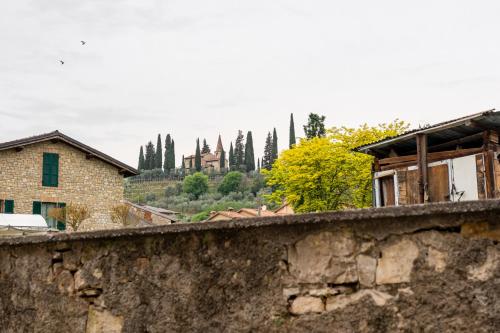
column 195, row 184
column 249, row 153
column 324, row 173
column 315, row 126
column 197, row 156
column 232, row 182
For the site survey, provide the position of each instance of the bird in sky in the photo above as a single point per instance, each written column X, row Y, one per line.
column 62, row 62
column 83, row 42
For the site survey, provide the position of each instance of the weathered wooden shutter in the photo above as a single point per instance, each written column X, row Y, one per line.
column 50, row 170
column 37, row 207
column 9, row 207
column 61, row 225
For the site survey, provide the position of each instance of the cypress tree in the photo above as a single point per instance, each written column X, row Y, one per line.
column 268, row 153
column 222, row 160
column 190, row 163
column 159, row 153
column 292, row 131
column 231, row 157
column 258, row 165
column 149, row 160
column 197, row 157
column 183, row 164
column 249, row 153
column 172, row 156
column 275, row 146
column 205, row 149
column 239, row 151
column 166, row 162
column 141, row 160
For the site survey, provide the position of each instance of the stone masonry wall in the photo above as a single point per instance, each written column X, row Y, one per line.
column 406, row 269
column 81, row 180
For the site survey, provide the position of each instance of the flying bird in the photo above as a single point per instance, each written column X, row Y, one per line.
column 62, row 62
column 83, row 42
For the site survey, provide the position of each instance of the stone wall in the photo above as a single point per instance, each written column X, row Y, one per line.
column 89, row 181
column 406, row 269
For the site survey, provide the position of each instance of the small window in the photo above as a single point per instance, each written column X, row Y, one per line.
column 50, row 177
column 7, row 206
column 43, row 208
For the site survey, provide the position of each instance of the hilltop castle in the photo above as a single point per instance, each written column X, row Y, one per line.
column 210, row 162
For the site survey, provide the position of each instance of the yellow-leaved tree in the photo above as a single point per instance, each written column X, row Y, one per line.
column 322, row 174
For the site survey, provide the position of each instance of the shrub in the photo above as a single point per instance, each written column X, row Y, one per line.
column 200, row 216
column 196, row 184
column 120, row 214
column 232, row 182
column 73, row 214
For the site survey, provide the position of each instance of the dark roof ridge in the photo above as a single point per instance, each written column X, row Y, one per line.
column 72, row 142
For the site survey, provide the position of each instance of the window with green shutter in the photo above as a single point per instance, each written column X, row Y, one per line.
column 61, row 225
column 9, row 207
column 37, row 208
column 50, row 172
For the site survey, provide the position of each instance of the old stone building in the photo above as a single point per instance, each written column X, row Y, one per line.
column 50, row 170
column 209, row 162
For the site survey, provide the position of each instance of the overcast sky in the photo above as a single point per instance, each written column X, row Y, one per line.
column 200, row 68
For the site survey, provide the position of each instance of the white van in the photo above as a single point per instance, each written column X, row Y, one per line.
column 22, row 224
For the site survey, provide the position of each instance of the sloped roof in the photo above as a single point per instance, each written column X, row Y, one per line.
column 255, row 212
column 440, row 132
column 58, row 136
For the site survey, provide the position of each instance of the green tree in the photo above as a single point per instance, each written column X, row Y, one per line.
column 159, row 154
column 169, row 163
column 258, row 165
column 232, row 182
column 149, row 160
column 239, row 151
column 267, row 159
column 315, row 126
column 222, row 160
column 231, row 157
column 249, row 153
column 292, row 132
column 195, row 184
column 206, row 148
column 274, row 151
column 183, row 164
column 172, row 156
column 324, row 173
column 197, row 156
column 141, row 160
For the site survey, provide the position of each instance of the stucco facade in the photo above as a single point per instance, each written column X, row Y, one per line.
column 83, row 178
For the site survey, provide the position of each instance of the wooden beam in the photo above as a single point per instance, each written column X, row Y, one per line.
column 489, row 159
column 422, row 167
column 434, row 157
column 89, row 156
column 19, row 148
column 441, row 155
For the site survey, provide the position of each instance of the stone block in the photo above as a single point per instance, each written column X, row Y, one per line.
column 396, row 263
column 324, row 258
column 437, row 259
column 366, row 270
column 341, row 301
column 307, row 304
column 103, row 321
column 65, row 282
column 487, row 270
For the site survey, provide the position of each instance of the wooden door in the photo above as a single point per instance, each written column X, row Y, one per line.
column 439, row 188
column 388, row 193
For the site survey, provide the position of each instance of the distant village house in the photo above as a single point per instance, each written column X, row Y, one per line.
column 209, row 162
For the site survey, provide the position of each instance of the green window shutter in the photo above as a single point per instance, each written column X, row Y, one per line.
column 37, row 208
column 50, row 174
column 9, row 207
column 60, row 225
